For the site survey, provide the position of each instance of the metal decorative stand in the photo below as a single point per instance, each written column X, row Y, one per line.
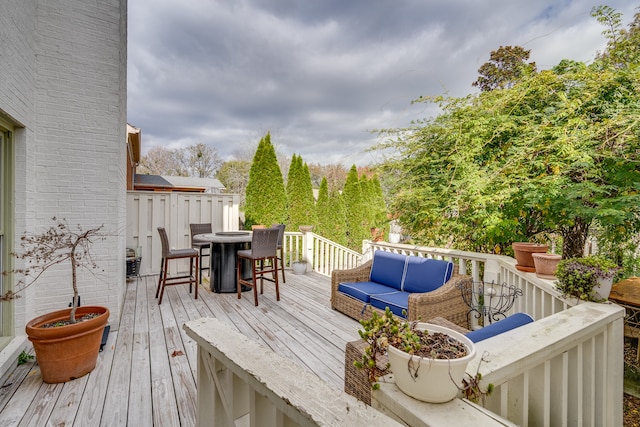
column 488, row 301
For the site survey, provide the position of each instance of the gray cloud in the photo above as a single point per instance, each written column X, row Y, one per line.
column 320, row 75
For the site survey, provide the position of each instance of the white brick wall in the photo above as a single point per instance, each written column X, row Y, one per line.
column 63, row 84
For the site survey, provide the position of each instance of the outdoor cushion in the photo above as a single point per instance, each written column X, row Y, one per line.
column 363, row 290
column 396, row 301
column 426, row 274
column 504, row 325
column 388, row 269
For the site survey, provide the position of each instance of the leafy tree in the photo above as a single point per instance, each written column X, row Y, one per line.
column 301, row 206
column 623, row 46
column 266, row 200
column 505, row 67
column 557, row 152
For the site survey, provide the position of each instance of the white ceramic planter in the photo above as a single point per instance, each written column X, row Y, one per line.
column 437, row 380
column 299, row 267
column 603, row 289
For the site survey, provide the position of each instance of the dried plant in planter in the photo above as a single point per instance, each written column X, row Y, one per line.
column 59, row 244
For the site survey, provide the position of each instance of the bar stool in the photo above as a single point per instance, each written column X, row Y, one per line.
column 171, row 254
column 204, row 248
column 280, row 228
column 264, row 247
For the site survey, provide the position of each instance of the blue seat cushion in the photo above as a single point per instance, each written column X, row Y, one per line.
column 425, row 274
column 504, row 325
column 396, row 301
column 388, row 269
column 363, row 290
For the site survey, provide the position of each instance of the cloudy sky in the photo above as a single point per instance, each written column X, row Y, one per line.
column 322, row 74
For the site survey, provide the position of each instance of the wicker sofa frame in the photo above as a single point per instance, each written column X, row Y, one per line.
column 445, row 302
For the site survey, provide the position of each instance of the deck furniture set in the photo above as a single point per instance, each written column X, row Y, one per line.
column 414, row 288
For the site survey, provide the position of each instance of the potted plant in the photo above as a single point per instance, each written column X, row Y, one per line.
column 428, row 361
column 299, row 267
column 66, row 342
column 587, row 278
column 546, row 265
column 523, row 252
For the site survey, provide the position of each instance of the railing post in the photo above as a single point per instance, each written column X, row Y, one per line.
column 307, row 245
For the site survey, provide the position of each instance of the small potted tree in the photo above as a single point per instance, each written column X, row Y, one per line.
column 428, row 361
column 588, row 278
column 66, row 342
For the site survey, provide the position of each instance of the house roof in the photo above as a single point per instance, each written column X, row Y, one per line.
column 177, row 183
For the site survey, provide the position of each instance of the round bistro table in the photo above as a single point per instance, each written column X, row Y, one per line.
column 224, row 248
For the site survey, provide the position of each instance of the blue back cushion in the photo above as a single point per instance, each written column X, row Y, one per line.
column 425, row 274
column 388, row 269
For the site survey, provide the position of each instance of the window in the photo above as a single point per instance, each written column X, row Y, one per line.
column 6, row 227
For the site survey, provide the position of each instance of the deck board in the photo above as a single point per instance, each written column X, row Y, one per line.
column 146, row 375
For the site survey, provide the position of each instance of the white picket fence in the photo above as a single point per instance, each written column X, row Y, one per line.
column 148, row 210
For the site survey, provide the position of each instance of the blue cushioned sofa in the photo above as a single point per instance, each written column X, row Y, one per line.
column 423, row 288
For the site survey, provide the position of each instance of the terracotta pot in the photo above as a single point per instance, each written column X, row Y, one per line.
column 67, row 352
column 546, row 265
column 523, row 251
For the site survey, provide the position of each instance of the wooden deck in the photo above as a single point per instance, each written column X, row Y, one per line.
column 146, row 374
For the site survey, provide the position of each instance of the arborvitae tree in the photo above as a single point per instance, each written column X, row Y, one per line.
column 378, row 206
column 301, row 206
column 337, row 218
column 354, row 210
column 323, row 226
column 266, row 200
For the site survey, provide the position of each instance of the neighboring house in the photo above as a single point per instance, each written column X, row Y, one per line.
column 63, row 98
column 177, row 183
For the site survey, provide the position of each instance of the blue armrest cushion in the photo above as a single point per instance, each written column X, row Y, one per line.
column 504, row 325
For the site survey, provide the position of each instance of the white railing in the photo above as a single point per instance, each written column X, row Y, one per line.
column 322, row 254
column 563, row 370
column 241, row 382
column 566, row 368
